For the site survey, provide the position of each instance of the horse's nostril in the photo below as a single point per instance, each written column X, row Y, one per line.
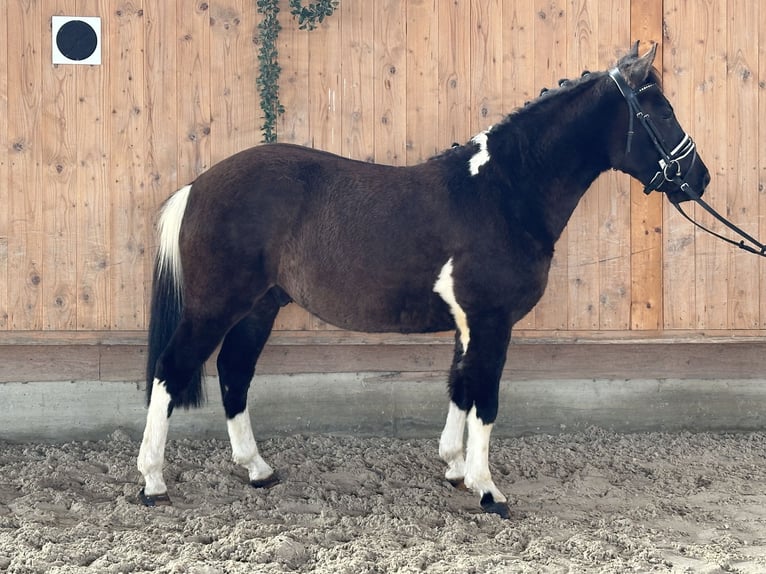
column 706, row 180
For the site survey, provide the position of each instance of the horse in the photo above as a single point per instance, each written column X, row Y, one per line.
column 462, row 241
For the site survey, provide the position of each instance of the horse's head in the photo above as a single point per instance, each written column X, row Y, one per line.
column 649, row 143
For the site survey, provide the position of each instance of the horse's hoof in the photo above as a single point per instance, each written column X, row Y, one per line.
column 268, row 482
column 457, row 483
column 154, row 499
column 489, row 506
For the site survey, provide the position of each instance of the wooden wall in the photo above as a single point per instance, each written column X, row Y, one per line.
column 89, row 152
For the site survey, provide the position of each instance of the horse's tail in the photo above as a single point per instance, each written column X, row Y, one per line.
column 167, row 297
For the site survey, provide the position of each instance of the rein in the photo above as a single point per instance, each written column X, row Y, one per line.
column 670, row 162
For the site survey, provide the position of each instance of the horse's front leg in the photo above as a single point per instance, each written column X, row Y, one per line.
column 474, row 384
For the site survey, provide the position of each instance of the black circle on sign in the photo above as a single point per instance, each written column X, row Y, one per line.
column 76, row 40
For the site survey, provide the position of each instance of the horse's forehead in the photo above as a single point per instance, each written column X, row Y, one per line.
column 481, row 157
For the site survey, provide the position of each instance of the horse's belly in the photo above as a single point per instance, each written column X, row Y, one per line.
column 378, row 310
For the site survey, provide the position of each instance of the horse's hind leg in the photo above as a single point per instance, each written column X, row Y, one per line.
column 236, row 367
column 193, row 341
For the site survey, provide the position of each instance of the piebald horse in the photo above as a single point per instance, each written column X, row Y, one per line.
column 462, row 241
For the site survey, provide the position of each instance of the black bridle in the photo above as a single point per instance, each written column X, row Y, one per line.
column 670, row 166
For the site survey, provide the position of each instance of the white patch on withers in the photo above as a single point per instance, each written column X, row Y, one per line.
column 445, row 288
column 481, row 157
column 168, row 230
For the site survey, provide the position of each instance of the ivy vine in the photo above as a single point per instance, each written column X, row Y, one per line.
column 308, row 17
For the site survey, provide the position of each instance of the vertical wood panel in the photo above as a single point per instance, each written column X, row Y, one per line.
column 423, row 140
column 486, row 64
column 25, row 245
column 646, row 211
column 126, row 165
column 762, row 154
column 390, row 49
column 59, row 180
column 234, row 98
column 678, row 269
column 744, row 287
column 582, row 237
column 454, row 71
column 161, row 148
column 518, row 72
column 357, row 85
column 4, row 183
column 93, row 185
column 613, row 190
column 708, row 56
column 294, row 84
column 549, row 64
column 324, row 85
column 193, row 89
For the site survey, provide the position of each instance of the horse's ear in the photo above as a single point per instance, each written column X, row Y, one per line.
column 637, row 70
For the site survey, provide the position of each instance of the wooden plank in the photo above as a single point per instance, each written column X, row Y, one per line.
column 325, row 105
column 454, row 67
column 486, row 63
column 25, row 242
column 710, row 120
column 646, row 211
column 519, row 77
column 4, row 182
column 526, row 362
column 293, row 125
column 582, row 237
column 193, row 58
column 423, row 138
column 128, row 245
column 613, row 189
column 235, row 114
column 390, row 50
column 93, row 185
column 358, row 68
column 161, row 145
column 679, row 246
column 742, row 57
column 761, row 151
column 550, row 64
column 59, row 186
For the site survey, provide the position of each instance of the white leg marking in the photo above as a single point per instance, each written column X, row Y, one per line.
column 445, row 287
column 451, row 443
column 244, row 449
column 151, row 456
column 481, row 157
column 477, row 475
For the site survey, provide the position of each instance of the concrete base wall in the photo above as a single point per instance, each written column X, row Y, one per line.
column 386, row 404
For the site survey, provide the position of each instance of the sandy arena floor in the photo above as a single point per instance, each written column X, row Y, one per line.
column 592, row 502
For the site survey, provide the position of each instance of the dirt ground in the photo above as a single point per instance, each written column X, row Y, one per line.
column 588, row 502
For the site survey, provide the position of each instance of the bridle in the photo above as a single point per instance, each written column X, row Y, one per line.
column 670, row 166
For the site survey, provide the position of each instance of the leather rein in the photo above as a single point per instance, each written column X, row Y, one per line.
column 670, row 167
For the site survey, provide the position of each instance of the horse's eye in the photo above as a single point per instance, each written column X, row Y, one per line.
column 665, row 112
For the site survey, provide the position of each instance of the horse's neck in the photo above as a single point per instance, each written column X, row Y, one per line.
column 561, row 156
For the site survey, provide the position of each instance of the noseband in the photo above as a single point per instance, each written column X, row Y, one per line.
column 670, row 165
